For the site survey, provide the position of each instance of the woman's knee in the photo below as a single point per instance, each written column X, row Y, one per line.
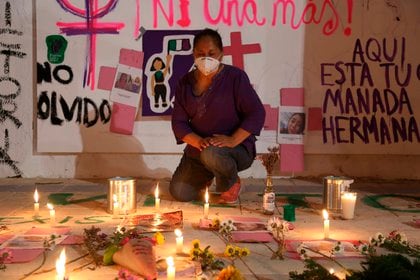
column 182, row 192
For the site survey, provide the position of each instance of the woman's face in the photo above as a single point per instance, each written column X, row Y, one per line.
column 207, row 47
column 295, row 124
column 157, row 64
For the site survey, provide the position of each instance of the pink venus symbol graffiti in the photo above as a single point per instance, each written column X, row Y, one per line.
column 90, row 27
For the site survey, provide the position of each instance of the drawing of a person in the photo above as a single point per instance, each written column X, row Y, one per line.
column 295, row 124
column 157, row 83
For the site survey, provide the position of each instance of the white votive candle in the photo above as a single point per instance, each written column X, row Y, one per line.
column 170, row 271
column 60, row 266
column 348, row 203
column 179, row 241
column 206, row 205
column 326, row 224
column 157, row 199
column 36, row 203
column 52, row 213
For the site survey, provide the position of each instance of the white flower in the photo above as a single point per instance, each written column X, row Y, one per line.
column 119, row 229
column 362, row 248
column 301, row 251
column 338, row 248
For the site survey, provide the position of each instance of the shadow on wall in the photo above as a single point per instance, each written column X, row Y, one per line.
column 123, row 159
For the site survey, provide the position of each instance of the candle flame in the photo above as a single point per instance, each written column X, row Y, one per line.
column 50, row 206
column 170, row 261
column 36, row 196
column 178, row 232
column 325, row 214
column 157, row 190
column 60, row 265
column 206, row 196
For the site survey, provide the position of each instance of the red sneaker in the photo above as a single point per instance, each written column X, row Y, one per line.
column 231, row 196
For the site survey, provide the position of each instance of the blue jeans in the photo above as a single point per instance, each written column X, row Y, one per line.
column 193, row 174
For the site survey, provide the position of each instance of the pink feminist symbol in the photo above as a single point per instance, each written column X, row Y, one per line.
column 89, row 27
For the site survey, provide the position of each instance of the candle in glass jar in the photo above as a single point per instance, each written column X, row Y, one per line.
column 326, row 224
column 52, row 213
column 206, row 204
column 348, row 203
column 36, row 203
column 170, row 271
column 179, row 241
column 157, row 199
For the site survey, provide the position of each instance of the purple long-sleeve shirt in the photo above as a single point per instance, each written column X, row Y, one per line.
column 229, row 103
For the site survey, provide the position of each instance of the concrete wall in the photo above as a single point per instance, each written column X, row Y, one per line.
column 291, row 57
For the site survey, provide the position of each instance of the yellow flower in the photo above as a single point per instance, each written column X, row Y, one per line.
column 160, row 238
column 230, row 273
column 215, row 223
column 237, row 251
column 195, row 253
column 196, row 243
column 229, row 251
column 245, row 252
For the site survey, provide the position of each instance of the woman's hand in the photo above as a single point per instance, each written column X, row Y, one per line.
column 204, row 143
column 220, row 140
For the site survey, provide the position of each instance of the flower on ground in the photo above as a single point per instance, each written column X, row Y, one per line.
column 226, row 228
column 230, row 273
column 234, row 252
column 338, row 248
column 204, row 256
column 302, row 251
column 377, row 240
column 159, row 237
column 398, row 237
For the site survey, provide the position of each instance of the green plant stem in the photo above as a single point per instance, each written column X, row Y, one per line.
column 69, row 262
column 44, row 258
column 330, row 258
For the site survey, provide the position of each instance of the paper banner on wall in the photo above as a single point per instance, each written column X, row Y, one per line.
column 291, row 129
column 126, row 98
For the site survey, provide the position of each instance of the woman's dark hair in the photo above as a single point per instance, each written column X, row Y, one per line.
column 209, row 33
column 152, row 68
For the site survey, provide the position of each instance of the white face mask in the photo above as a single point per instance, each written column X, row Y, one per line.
column 207, row 64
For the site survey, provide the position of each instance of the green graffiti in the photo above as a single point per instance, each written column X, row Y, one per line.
column 91, row 220
column 373, row 201
column 297, row 199
column 64, row 198
column 34, row 219
column 65, row 220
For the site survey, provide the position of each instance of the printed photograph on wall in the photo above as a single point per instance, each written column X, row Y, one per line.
column 127, row 85
column 291, row 125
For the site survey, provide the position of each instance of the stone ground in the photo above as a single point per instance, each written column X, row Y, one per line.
column 393, row 212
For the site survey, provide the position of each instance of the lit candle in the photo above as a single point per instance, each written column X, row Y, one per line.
column 170, row 271
column 157, row 199
column 60, row 266
column 348, row 202
column 36, row 203
column 206, row 205
column 179, row 241
column 326, row 224
column 52, row 213
column 116, row 205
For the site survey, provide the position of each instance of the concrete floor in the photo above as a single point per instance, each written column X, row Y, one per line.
column 394, row 212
